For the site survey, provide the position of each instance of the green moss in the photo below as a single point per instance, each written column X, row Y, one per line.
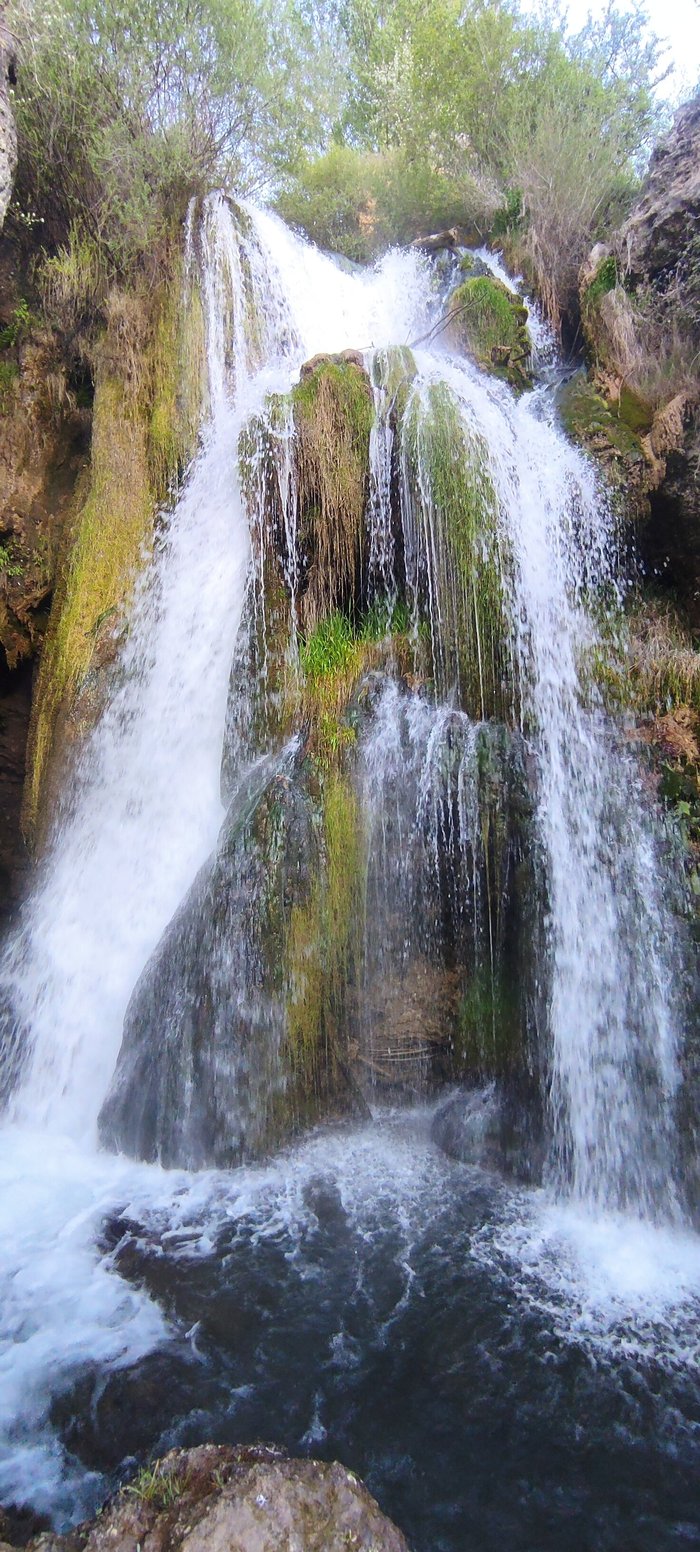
column 448, row 471
column 322, row 945
column 490, row 322
column 394, row 370
column 177, row 372
column 146, row 409
column 591, row 422
column 634, row 410
column 604, row 280
column 488, row 1042
column 106, row 553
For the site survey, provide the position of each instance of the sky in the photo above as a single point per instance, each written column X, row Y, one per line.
column 675, row 20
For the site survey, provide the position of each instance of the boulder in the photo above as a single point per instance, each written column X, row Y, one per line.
column 230, row 1043
column 216, row 1498
column 489, row 322
column 640, row 319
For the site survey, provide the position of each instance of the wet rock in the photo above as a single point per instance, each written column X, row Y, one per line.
column 217, row 1499
column 492, row 1129
column 453, row 237
column 343, row 358
column 19, row 1525
column 225, row 1050
column 590, row 419
column 640, row 319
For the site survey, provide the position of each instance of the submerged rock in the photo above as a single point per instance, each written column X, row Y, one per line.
column 492, row 1129
column 215, row 1498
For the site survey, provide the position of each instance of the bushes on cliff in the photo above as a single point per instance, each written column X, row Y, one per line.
column 127, row 107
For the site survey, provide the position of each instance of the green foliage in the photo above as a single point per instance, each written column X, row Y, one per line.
column 328, row 648
column 9, row 565
column 483, row 96
column 359, row 203
column 75, row 279
column 18, row 326
column 125, row 108
column 161, row 1489
column 604, row 280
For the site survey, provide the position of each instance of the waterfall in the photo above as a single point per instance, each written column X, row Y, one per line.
column 506, row 922
column 506, row 636
column 147, row 807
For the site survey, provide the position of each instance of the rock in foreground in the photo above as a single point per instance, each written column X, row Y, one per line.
column 218, row 1499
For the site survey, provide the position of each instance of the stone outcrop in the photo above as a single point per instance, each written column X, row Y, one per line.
column 8, row 133
column 215, row 1498
column 665, row 217
column 641, row 321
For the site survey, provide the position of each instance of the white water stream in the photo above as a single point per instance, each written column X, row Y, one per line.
column 146, row 816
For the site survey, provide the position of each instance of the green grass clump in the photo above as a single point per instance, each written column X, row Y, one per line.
column 9, row 373
column 329, row 648
column 19, row 324
column 9, row 565
column 161, row 1489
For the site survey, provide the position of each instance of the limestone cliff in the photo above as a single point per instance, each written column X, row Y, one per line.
column 8, row 135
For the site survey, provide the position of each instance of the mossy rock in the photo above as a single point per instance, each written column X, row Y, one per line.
column 234, row 1037
column 148, row 367
column 633, row 410
column 489, row 322
column 457, row 585
column 596, row 426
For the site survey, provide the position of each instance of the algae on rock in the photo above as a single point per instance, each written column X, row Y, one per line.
column 455, row 556
column 246, row 989
column 148, row 373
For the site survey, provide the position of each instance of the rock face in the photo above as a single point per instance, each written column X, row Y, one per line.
column 490, row 1128
column 8, row 134
column 640, row 312
column 665, row 217
column 218, row 1499
column 228, row 1047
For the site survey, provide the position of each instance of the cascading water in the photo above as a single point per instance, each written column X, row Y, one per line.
column 483, row 723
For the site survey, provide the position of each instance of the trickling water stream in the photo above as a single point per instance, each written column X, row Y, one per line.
column 362, row 1295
